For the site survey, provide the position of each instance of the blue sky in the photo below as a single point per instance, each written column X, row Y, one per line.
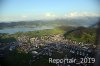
column 17, row 10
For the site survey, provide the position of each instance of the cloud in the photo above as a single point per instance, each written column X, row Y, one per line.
column 82, row 14
column 47, row 16
column 50, row 15
column 24, row 16
column 13, row 18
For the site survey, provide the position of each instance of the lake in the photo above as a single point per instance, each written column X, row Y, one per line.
column 23, row 29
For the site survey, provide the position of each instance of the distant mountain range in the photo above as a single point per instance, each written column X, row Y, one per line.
column 80, row 21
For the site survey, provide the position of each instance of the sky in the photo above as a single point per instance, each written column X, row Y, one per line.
column 21, row 10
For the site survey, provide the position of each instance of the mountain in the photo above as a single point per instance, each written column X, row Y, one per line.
column 79, row 21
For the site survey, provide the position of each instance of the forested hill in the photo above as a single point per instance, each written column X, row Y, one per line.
column 82, row 34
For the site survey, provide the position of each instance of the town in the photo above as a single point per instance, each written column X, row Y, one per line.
column 53, row 46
